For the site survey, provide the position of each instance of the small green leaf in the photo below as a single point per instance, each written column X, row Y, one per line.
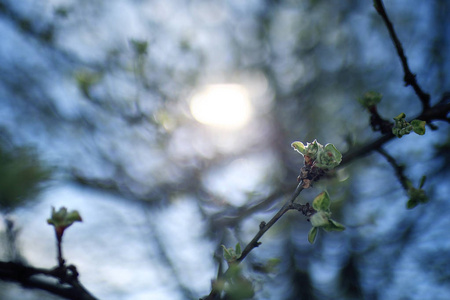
column 411, row 203
column 336, row 226
column 418, row 126
column 312, row 235
column 320, row 219
column 416, row 196
column 238, row 250
column 400, row 117
column 299, row 147
column 227, row 253
column 313, row 148
column 321, row 202
column 422, row 181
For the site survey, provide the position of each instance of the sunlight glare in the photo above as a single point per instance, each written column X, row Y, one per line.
column 222, row 105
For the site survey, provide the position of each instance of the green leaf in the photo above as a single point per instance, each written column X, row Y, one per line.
column 336, row 226
column 418, row 126
column 299, row 147
column 238, row 250
column 411, row 203
column 312, row 149
column 416, row 196
column 227, row 253
column 320, row 219
column 422, row 181
column 321, row 202
column 312, row 235
column 400, row 117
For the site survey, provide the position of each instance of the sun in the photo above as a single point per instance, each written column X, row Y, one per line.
column 225, row 106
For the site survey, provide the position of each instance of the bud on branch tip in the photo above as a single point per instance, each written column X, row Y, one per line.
column 62, row 219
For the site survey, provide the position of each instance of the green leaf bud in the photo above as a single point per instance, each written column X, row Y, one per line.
column 62, row 218
column 370, row 99
column 418, row 126
column 228, row 254
column 238, row 250
column 400, row 117
column 312, row 234
column 299, row 147
column 329, row 158
column 321, row 202
column 416, row 196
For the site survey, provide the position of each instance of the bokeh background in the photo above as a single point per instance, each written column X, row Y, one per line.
column 167, row 124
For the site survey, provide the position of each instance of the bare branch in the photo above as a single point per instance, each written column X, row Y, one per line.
column 66, row 285
column 409, row 78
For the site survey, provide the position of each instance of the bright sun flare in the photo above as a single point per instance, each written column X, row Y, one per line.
column 222, row 105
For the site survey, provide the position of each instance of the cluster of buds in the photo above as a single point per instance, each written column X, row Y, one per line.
column 318, row 160
column 402, row 127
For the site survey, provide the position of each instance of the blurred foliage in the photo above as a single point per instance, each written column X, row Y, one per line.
column 22, row 176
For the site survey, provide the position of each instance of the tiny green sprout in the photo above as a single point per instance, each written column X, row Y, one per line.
column 402, row 127
column 230, row 254
column 321, row 219
column 370, row 99
column 417, row 195
column 299, row 147
column 63, row 219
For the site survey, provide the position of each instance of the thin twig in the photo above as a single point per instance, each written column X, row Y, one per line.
column 409, row 77
column 399, row 169
column 264, row 227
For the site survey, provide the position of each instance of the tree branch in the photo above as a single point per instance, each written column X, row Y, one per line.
column 306, row 209
column 409, row 78
column 67, row 285
column 437, row 112
column 399, row 169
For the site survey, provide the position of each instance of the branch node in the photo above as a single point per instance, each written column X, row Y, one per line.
column 262, row 225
